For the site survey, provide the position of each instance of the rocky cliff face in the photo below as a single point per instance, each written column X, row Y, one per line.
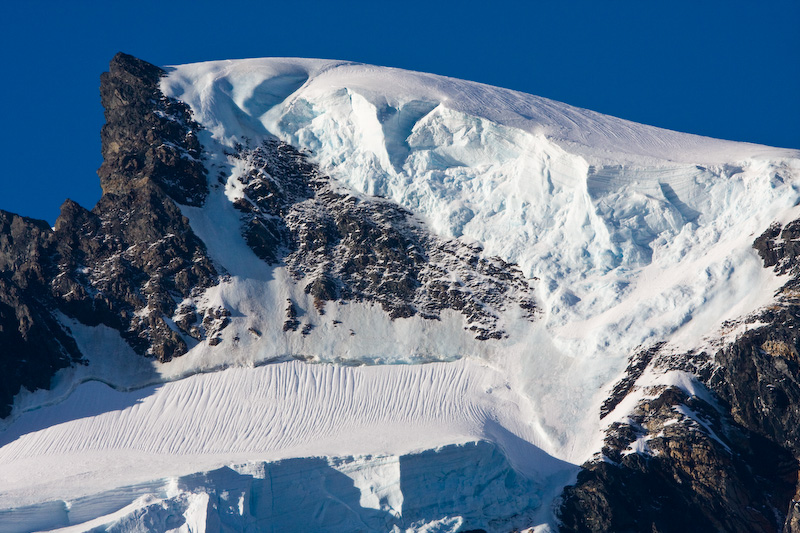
column 147, row 136
column 131, row 263
column 728, row 462
column 34, row 344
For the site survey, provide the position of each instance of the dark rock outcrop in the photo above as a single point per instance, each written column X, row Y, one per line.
column 679, row 465
column 128, row 264
column 779, row 247
column 147, row 136
column 636, row 366
column 133, row 260
column 350, row 247
column 697, row 467
column 33, row 344
column 758, row 377
column 132, row 263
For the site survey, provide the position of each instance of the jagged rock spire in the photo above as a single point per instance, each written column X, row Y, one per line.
column 147, row 136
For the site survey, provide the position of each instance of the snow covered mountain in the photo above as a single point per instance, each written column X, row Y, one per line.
column 326, row 296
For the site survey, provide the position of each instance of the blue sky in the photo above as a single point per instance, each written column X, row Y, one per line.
column 723, row 69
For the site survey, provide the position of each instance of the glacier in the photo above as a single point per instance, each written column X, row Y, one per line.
column 629, row 235
column 630, row 232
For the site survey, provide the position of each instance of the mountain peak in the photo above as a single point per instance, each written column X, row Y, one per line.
column 134, row 70
column 373, row 285
column 147, row 136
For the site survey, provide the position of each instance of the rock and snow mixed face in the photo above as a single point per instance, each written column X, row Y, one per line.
column 625, row 235
column 631, row 234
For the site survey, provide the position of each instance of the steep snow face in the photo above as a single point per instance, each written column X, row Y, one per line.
column 585, row 203
column 631, row 233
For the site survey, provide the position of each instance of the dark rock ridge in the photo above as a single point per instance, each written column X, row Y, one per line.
column 347, row 247
column 33, row 344
column 148, row 137
column 681, row 464
column 677, row 465
column 636, row 366
column 132, row 263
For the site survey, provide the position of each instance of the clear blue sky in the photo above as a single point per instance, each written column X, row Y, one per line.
column 723, row 69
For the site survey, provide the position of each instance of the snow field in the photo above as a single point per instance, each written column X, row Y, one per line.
column 98, row 436
column 632, row 233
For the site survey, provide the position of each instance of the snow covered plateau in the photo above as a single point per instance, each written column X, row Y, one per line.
column 626, row 236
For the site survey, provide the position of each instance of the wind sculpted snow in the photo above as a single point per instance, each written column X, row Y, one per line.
column 97, row 437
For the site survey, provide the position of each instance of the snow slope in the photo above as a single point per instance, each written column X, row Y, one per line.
column 630, row 234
